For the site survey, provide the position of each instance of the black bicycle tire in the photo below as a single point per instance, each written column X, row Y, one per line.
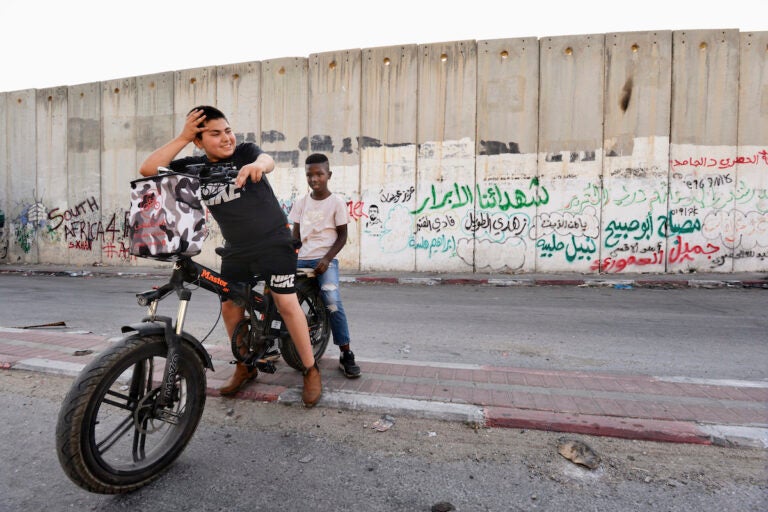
column 81, row 406
column 307, row 289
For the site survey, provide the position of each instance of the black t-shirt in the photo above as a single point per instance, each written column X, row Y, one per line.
column 248, row 220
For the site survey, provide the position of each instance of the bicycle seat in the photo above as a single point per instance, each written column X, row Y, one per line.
column 308, row 272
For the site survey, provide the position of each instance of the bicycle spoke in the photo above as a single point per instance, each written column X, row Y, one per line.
column 115, row 436
column 139, row 441
column 128, row 403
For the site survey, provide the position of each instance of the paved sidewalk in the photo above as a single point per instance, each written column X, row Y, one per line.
column 730, row 413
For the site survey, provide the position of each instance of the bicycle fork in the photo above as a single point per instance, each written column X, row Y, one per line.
column 173, row 340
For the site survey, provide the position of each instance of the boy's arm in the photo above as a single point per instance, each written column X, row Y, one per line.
column 338, row 245
column 264, row 164
column 162, row 156
column 296, row 231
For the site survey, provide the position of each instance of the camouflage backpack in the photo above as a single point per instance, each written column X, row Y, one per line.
column 167, row 219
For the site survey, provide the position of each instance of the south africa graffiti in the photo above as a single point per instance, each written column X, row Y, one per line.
column 73, row 228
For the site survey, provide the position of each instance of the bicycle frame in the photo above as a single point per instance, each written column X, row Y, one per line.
column 186, row 270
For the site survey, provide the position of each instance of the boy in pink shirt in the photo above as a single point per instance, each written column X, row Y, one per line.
column 320, row 221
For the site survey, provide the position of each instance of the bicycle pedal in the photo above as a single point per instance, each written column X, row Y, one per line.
column 265, row 366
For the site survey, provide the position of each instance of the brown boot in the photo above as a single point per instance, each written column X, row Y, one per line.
column 313, row 387
column 242, row 375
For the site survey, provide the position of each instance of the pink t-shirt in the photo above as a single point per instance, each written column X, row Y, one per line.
column 318, row 221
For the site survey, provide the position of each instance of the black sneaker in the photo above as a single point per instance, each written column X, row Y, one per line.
column 347, row 365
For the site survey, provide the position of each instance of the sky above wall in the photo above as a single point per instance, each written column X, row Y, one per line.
column 52, row 43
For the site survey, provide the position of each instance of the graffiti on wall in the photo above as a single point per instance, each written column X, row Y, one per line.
column 74, row 228
column 631, row 223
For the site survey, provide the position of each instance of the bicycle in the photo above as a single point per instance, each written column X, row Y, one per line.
column 132, row 410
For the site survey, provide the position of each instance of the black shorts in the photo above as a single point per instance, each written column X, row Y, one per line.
column 276, row 264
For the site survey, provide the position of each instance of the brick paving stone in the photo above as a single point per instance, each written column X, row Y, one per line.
column 445, row 374
column 482, row 396
column 535, row 380
column 424, row 391
column 500, row 398
column 462, row 395
column 561, row 403
column 463, row 375
column 497, row 377
column 389, row 387
column 516, row 378
column 369, row 386
column 523, row 400
column 481, row 376
column 412, row 371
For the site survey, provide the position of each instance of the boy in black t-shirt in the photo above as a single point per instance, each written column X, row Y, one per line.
column 255, row 229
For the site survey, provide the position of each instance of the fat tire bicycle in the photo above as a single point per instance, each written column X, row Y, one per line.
column 132, row 410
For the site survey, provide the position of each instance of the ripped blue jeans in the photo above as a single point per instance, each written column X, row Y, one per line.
column 329, row 286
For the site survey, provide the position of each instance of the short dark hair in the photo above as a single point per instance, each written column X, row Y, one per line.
column 210, row 113
column 316, row 158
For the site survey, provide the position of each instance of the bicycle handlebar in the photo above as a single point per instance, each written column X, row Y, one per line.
column 206, row 173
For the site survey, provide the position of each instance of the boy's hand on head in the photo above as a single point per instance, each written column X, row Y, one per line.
column 191, row 128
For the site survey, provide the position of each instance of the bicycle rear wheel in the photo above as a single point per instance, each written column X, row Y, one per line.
column 318, row 320
column 112, row 437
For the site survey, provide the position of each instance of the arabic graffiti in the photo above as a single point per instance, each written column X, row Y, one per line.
column 489, row 199
column 723, row 163
column 574, row 249
column 617, row 231
column 679, row 252
column 434, row 245
column 496, row 226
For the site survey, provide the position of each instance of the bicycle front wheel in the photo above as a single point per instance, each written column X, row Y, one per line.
column 112, row 436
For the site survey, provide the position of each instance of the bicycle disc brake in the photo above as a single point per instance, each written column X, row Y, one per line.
column 148, row 417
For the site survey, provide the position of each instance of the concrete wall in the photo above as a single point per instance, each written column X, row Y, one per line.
column 626, row 152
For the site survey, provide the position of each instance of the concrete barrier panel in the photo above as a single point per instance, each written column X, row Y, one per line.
column 238, row 95
column 192, row 87
column 636, row 167
column 4, row 180
column 570, row 153
column 507, row 131
column 388, row 157
column 334, row 129
column 118, row 167
column 52, row 175
column 82, row 237
column 154, row 114
column 705, row 71
column 154, row 121
column 26, row 214
column 285, row 125
column 446, row 158
column 750, row 213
